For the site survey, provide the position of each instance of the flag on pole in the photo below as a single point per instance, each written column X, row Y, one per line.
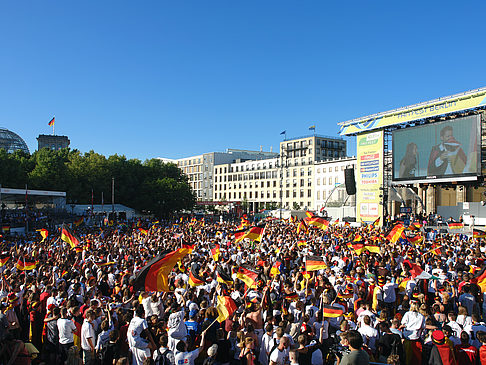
column 69, row 237
column 283, row 132
column 312, row 127
column 225, row 307
column 51, row 122
column 313, row 263
column 44, row 233
column 455, row 225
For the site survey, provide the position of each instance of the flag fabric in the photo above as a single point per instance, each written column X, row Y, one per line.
column 376, row 222
column 69, row 237
column 477, row 233
column 455, row 225
column 215, row 250
column 189, row 247
column 309, row 214
column 414, row 226
column 223, row 277
column 301, row 243
column 395, row 233
column 291, row 296
column 44, row 233
column 194, row 278
column 143, row 231
column 239, row 235
column 302, row 227
column 3, row 259
column 318, row 222
column 436, row 250
column 347, row 224
column 403, row 284
column 225, row 307
column 103, row 263
column 253, row 234
column 275, row 270
column 79, row 221
column 25, row 265
column 51, row 122
column 416, row 271
column 335, row 223
column 330, row 311
column 154, row 275
column 247, row 274
column 313, row 263
column 415, row 240
column 312, row 128
column 359, row 248
column 480, row 279
column 283, row 132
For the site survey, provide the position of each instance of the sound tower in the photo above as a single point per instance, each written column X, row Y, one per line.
column 349, row 181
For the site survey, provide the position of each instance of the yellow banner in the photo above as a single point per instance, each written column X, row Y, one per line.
column 369, row 177
column 415, row 112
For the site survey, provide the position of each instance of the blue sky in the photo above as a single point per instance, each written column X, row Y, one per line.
column 172, row 79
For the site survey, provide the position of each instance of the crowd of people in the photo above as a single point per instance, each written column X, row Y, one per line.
column 409, row 301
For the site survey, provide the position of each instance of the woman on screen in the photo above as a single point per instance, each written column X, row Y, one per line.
column 408, row 164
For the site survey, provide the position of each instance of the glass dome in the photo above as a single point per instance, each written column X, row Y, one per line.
column 12, row 142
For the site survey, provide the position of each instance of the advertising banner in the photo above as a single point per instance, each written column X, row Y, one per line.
column 442, row 151
column 369, row 176
column 415, row 112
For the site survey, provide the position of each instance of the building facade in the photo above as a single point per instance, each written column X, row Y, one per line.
column 329, row 183
column 199, row 169
column 52, row 142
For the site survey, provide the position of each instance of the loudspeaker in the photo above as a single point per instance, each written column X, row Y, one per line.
column 349, row 181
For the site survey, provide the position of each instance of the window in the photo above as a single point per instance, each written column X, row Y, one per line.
column 318, row 181
column 330, row 181
column 309, row 193
column 301, row 193
column 318, row 195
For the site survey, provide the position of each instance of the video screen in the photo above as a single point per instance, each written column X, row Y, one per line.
column 445, row 150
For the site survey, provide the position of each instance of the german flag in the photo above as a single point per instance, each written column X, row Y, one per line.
column 414, row 226
column 79, row 248
column 275, row 270
column 225, row 307
column 189, row 247
column 313, row 263
column 143, row 231
column 395, row 233
column 214, row 250
column 415, row 240
column 309, row 214
column 5, row 228
column 256, row 233
column 154, row 275
column 455, row 225
column 103, row 263
column 69, row 237
column 345, row 295
column 79, row 221
column 44, row 233
column 347, row 224
column 436, row 250
column 335, row 223
column 293, row 219
column 477, row 233
column 291, row 296
column 247, row 274
column 403, row 284
column 318, row 222
column 223, row 277
column 358, row 238
column 194, row 278
column 301, row 243
column 360, row 248
column 239, row 235
column 64, row 273
column 3, row 259
column 51, row 122
column 376, row 223
column 302, row 227
column 78, row 323
column 330, row 311
column 25, row 265
column 480, row 279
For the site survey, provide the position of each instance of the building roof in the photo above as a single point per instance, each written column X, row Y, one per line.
column 11, row 141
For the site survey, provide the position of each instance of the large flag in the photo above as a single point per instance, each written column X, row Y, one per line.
column 415, row 240
column 254, row 234
column 223, row 277
column 25, row 265
column 44, row 233
column 194, row 278
column 247, row 274
column 3, row 259
column 480, row 280
column 275, row 270
column 143, row 231
column 395, row 233
column 154, row 275
column 214, row 250
column 69, row 237
column 309, row 214
column 189, row 247
column 330, row 311
column 225, row 307
column 359, row 248
column 477, row 233
column 302, row 227
column 318, row 222
column 51, row 122
column 417, row 271
column 455, row 225
column 313, row 263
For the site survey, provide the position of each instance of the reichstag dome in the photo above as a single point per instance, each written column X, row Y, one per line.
column 11, row 141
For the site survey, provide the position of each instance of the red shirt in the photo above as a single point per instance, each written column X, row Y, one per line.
column 482, row 354
column 466, row 354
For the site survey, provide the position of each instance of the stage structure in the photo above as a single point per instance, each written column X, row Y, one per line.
column 435, row 143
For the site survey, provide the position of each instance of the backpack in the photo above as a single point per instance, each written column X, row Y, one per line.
column 162, row 358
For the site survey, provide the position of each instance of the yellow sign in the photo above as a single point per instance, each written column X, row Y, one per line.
column 369, row 176
column 415, row 112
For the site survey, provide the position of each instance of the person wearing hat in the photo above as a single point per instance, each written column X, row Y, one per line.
column 441, row 353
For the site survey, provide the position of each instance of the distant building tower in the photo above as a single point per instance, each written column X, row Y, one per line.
column 52, row 142
column 11, row 142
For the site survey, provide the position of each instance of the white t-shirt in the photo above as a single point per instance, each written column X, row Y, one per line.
column 135, row 329
column 139, row 355
column 414, row 322
column 66, row 328
column 187, row 358
column 279, row 357
column 87, row 331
